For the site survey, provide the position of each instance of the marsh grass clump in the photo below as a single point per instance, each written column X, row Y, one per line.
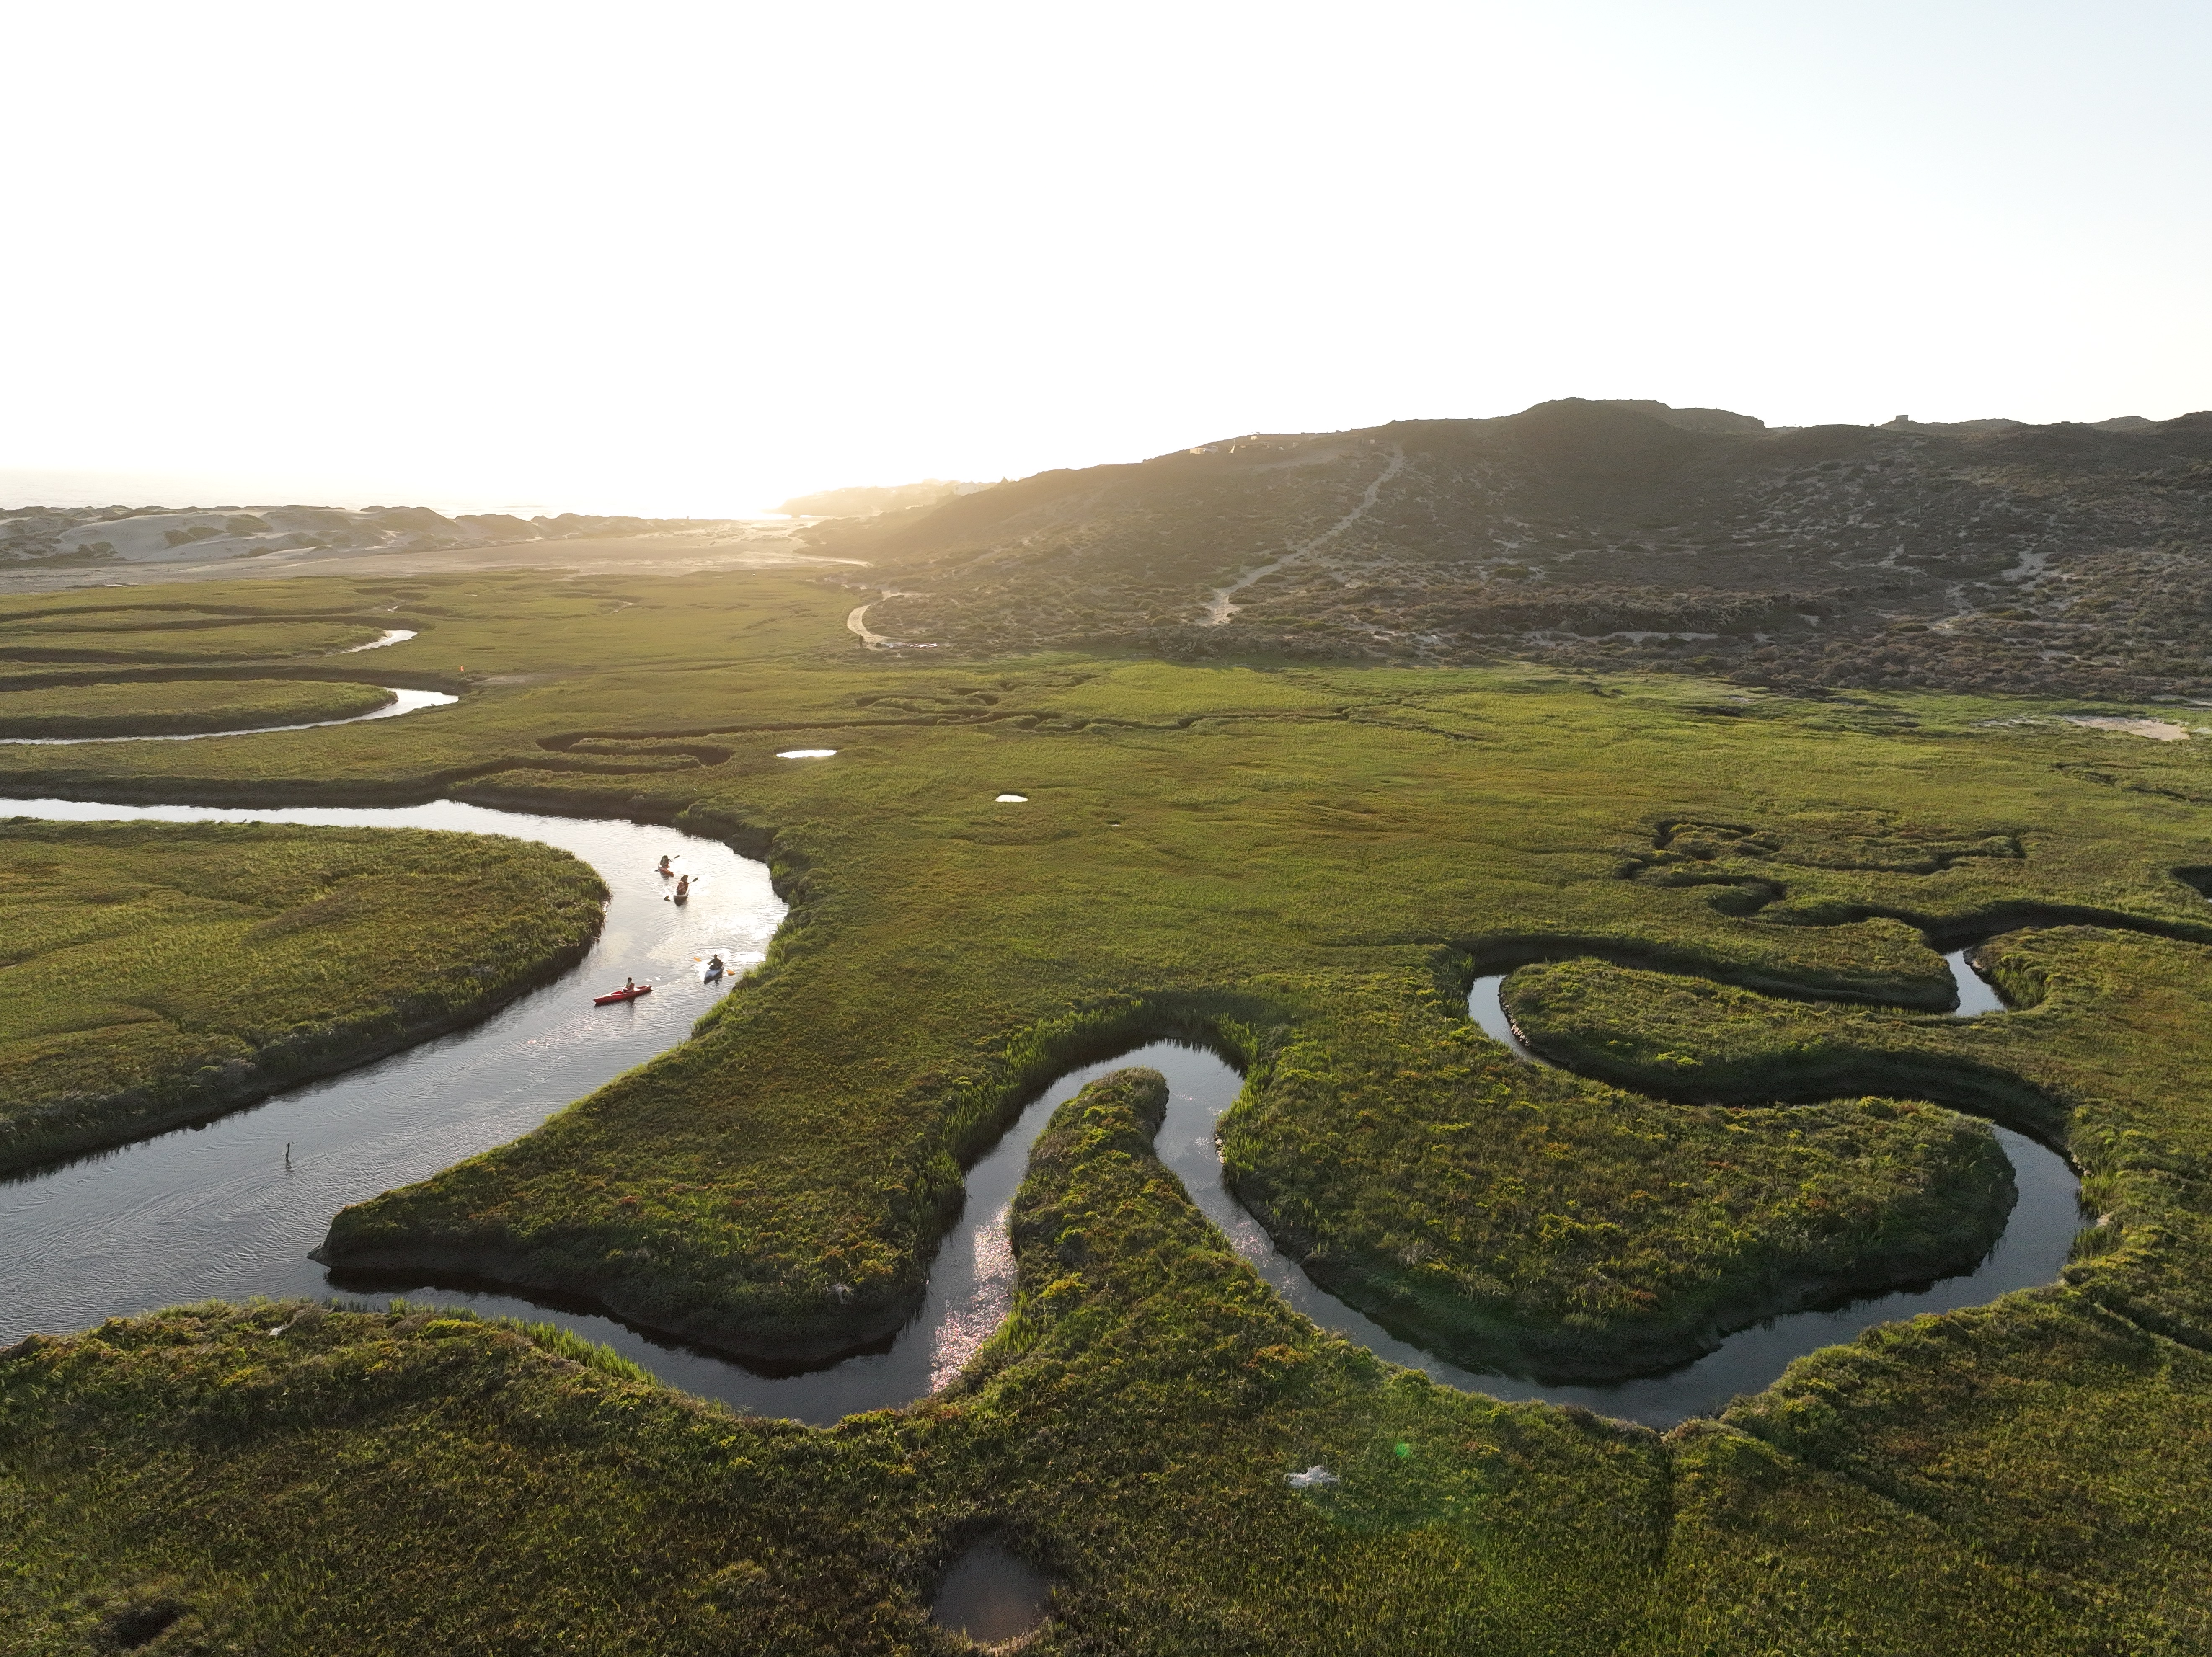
column 592, row 1354
column 1876, row 841
column 2104, row 1061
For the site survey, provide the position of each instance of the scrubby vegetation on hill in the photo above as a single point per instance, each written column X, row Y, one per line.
column 868, row 500
column 1989, row 556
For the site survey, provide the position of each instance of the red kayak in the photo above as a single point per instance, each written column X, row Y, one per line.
column 623, row 995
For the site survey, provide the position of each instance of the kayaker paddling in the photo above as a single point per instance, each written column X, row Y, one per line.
column 630, row 991
column 713, row 968
column 683, row 887
column 665, row 869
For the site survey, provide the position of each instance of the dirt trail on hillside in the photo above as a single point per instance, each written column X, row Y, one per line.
column 856, row 623
column 1220, row 609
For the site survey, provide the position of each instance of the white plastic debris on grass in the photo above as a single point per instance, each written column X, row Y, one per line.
column 1013, row 799
column 1313, row 1477
column 2156, row 730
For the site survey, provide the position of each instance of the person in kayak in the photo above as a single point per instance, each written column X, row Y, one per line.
column 683, row 886
column 629, row 986
column 713, row 968
column 665, row 869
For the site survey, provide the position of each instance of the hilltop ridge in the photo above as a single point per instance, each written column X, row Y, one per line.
column 1985, row 554
column 868, row 500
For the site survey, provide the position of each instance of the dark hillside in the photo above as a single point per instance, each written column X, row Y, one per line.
column 1988, row 555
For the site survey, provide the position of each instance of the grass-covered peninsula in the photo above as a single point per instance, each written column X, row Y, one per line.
column 159, row 972
column 2106, row 1056
column 72, row 630
column 1303, row 866
column 1539, row 1222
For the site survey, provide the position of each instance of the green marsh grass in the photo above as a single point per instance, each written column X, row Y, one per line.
column 161, row 639
column 2106, row 1057
column 1302, row 865
column 417, row 1479
column 1534, row 1221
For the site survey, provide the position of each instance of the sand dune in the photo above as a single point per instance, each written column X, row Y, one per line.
column 113, row 535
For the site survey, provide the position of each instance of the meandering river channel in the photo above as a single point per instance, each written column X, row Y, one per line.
column 231, row 1208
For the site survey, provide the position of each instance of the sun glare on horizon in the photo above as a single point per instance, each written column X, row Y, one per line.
column 500, row 258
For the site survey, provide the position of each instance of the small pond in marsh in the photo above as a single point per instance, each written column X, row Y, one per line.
column 991, row 1595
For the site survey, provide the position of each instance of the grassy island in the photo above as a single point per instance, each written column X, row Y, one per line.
column 1303, row 865
column 159, row 972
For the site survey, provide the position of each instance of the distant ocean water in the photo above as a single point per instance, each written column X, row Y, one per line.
column 21, row 487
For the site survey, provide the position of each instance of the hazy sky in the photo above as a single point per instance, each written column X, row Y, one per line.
column 680, row 258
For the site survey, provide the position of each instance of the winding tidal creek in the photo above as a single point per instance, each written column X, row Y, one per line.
column 230, row 1208
column 403, row 701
